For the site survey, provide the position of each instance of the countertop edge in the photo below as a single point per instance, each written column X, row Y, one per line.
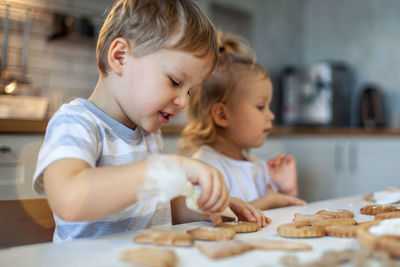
column 24, row 126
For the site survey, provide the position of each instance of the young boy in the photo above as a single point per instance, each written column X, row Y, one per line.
column 94, row 164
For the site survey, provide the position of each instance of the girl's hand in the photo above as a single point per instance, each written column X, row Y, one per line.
column 281, row 200
column 282, row 170
column 245, row 212
column 214, row 195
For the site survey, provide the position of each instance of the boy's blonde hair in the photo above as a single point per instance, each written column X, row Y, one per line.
column 236, row 61
column 151, row 25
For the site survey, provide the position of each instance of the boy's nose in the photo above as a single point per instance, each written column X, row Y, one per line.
column 181, row 100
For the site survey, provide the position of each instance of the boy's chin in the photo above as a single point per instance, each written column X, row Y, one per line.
column 152, row 129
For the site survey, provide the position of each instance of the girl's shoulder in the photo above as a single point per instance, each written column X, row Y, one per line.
column 205, row 151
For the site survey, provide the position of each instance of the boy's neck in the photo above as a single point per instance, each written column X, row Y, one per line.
column 102, row 97
column 228, row 149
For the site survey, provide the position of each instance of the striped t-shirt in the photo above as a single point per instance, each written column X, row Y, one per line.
column 82, row 131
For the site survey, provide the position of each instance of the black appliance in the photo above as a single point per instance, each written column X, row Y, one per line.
column 317, row 95
column 372, row 108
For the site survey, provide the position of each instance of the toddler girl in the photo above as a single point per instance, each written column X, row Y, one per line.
column 229, row 116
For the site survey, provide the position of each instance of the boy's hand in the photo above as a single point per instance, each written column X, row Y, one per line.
column 248, row 212
column 214, row 195
column 282, row 170
column 245, row 212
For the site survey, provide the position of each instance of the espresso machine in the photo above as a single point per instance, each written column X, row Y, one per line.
column 316, row 95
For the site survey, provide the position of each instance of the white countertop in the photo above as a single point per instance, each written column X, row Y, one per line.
column 105, row 251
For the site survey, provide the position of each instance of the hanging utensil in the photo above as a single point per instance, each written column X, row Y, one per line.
column 25, row 45
column 4, row 79
column 4, row 50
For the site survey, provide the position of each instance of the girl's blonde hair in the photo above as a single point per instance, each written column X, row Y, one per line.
column 151, row 25
column 236, row 59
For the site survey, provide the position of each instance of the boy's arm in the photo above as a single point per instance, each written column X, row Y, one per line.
column 77, row 192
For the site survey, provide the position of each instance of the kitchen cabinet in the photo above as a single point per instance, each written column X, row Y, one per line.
column 18, row 156
column 316, row 160
column 340, row 166
column 374, row 163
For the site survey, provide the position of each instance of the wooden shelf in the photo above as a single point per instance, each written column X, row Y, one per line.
column 16, row 126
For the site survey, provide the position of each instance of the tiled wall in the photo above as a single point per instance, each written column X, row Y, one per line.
column 61, row 69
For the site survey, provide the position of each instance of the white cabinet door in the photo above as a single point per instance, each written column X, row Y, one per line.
column 374, row 164
column 316, row 166
column 272, row 147
column 18, row 156
column 319, row 162
column 331, row 167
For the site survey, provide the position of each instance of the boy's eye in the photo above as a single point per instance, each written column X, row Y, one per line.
column 261, row 108
column 174, row 83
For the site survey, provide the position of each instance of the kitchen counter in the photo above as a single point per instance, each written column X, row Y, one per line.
column 105, row 251
column 17, row 126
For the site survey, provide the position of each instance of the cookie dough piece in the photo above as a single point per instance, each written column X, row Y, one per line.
column 298, row 231
column 336, row 221
column 366, row 223
column 266, row 244
column 153, row 257
column 224, row 249
column 240, row 226
column 341, row 230
column 336, row 213
column 376, row 209
column 308, row 219
column 164, row 237
column 387, row 215
column 212, row 233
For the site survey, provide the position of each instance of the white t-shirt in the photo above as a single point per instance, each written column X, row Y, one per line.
column 247, row 180
column 80, row 130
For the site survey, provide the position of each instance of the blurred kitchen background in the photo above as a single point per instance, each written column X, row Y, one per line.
column 334, row 66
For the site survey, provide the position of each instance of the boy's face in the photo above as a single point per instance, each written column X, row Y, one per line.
column 250, row 117
column 156, row 87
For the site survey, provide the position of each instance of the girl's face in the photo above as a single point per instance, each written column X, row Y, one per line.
column 156, row 87
column 250, row 117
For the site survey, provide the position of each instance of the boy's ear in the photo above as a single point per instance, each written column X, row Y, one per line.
column 219, row 113
column 117, row 53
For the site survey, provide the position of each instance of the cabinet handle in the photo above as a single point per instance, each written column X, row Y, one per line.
column 5, row 149
column 353, row 158
column 338, row 152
